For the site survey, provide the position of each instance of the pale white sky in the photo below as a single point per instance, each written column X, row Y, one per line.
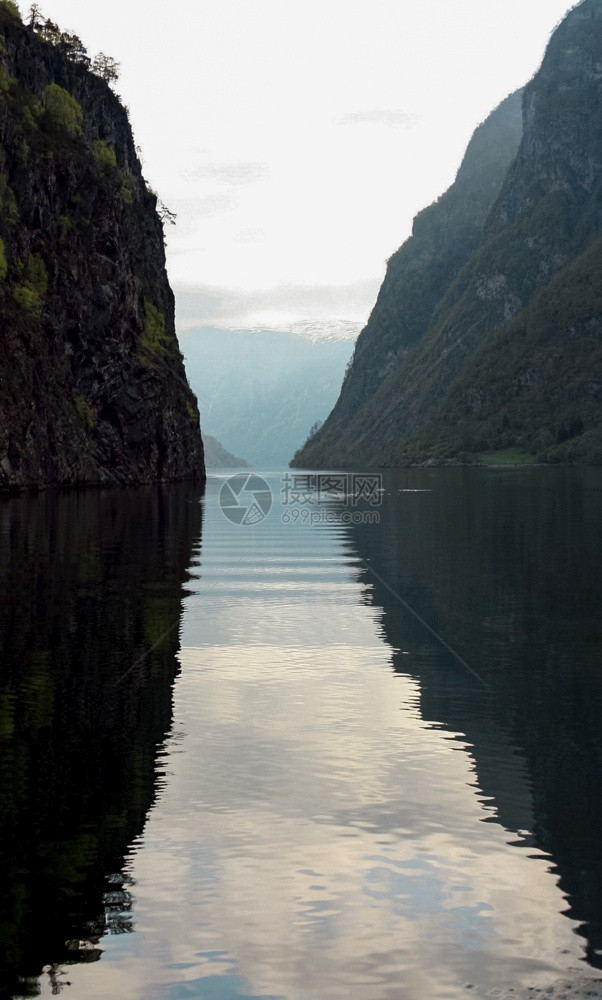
column 297, row 140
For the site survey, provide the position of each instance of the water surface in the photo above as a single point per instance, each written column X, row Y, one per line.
column 303, row 760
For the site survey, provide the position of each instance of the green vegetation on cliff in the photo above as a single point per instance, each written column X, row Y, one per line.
column 62, row 112
column 535, row 385
column 86, row 311
column 155, row 342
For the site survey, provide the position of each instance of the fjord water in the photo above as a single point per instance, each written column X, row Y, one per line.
column 296, row 760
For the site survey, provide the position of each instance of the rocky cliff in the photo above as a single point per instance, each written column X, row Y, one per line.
column 508, row 355
column 92, row 384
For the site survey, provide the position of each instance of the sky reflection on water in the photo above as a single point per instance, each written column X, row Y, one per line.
column 315, row 834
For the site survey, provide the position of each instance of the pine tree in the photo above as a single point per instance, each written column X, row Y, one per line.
column 105, row 67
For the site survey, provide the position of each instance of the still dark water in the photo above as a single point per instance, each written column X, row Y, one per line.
column 297, row 760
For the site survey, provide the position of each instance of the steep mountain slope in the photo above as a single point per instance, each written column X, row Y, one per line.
column 92, row 384
column 443, row 237
column 547, row 215
column 535, row 385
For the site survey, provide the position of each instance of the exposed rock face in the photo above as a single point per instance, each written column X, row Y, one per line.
column 478, row 376
column 92, row 384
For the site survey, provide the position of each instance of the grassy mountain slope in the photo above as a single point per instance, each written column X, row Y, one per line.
column 535, row 386
column 443, row 237
column 546, row 216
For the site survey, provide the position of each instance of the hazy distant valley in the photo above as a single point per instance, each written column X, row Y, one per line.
column 260, row 392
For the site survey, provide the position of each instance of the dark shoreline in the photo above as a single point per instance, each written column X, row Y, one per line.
column 582, row 988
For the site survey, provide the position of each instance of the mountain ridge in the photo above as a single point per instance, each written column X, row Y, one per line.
column 546, row 214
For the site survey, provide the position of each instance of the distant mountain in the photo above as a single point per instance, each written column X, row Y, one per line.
column 486, row 337
column 260, row 392
column 216, row 456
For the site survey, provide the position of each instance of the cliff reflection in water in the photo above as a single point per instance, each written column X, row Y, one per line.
column 91, row 587
column 506, row 568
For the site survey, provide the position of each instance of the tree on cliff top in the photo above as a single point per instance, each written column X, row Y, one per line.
column 35, row 15
column 71, row 45
column 105, row 67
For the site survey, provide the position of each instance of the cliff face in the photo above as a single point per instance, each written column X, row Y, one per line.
column 495, row 366
column 92, row 384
